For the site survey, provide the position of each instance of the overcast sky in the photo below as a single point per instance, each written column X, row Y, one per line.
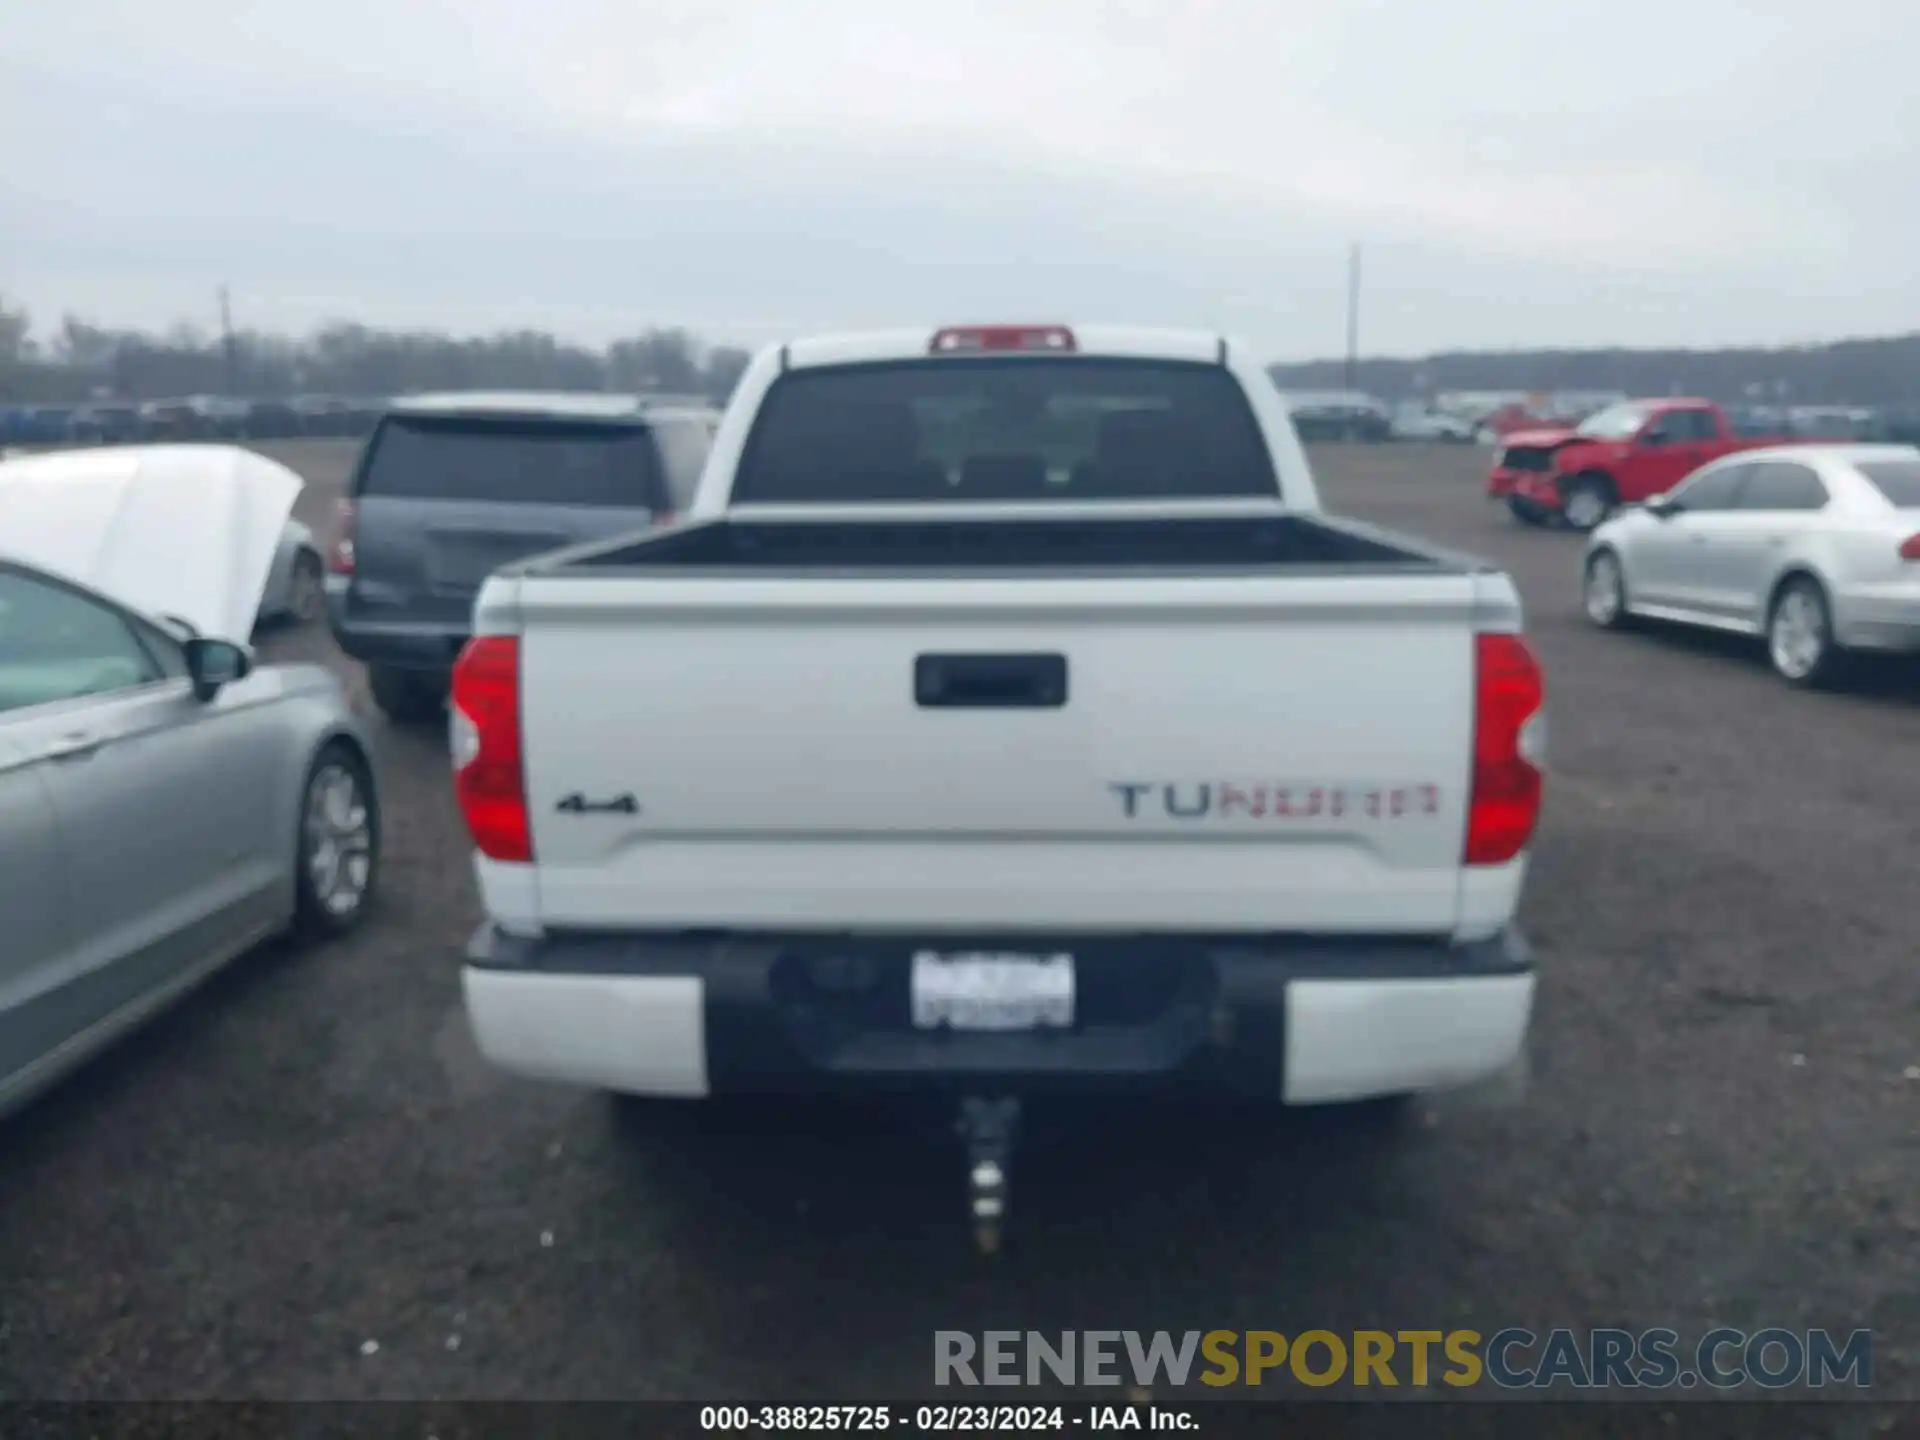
column 1692, row 172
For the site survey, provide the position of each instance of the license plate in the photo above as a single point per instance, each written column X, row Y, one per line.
column 991, row 990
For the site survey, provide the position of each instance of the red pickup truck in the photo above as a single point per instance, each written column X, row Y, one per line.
column 1623, row 455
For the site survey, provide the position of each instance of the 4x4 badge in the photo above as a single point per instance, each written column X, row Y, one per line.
column 578, row 804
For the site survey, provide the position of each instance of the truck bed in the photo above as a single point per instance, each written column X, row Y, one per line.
column 1054, row 542
column 1259, row 722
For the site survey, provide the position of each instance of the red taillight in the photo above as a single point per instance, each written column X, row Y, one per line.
column 340, row 547
column 489, row 778
column 1508, row 733
column 959, row 339
column 1911, row 549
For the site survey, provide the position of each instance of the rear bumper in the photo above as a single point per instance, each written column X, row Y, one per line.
column 1879, row 617
column 1307, row 1021
column 398, row 645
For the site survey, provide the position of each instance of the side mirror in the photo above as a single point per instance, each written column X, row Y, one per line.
column 1653, row 437
column 1661, row 506
column 214, row 663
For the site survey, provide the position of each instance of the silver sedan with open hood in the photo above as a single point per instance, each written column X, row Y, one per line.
column 164, row 802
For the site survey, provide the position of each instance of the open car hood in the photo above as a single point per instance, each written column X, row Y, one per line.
column 184, row 530
column 1541, row 436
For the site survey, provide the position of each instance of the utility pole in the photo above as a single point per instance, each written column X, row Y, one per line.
column 228, row 346
column 1353, row 316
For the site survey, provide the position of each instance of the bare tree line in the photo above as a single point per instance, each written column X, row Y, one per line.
column 1883, row 373
column 80, row 360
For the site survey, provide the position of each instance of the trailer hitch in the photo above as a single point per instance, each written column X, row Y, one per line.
column 989, row 1125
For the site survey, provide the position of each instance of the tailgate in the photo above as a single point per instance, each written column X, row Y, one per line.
column 424, row 560
column 443, row 500
column 1235, row 754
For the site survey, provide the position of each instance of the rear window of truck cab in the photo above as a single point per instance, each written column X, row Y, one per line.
column 1004, row 430
column 523, row 461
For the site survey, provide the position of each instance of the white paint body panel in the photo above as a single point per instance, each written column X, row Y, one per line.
column 509, row 893
column 1356, row 1039
column 786, row 776
column 644, row 1035
column 186, row 530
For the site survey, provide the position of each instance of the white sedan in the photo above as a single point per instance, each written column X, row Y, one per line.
column 1414, row 421
column 1816, row 549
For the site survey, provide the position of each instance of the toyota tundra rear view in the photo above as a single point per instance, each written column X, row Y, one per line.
column 1007, row 715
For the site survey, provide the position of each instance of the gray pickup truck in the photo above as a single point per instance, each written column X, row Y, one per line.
column 450, row 487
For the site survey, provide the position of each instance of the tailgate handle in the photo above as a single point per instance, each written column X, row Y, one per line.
column 990, row 682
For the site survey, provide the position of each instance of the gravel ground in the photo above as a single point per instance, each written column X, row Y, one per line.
column 303, row 1183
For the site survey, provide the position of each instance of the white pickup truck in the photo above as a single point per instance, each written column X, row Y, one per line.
column 1005, row 713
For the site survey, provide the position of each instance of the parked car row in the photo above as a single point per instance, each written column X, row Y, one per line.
column 1348, row 415
column 1624, row 455
column 1338, row 415
column 1422, row 420
column 1855, row 423
column 1902, row 424
column 1812, row 545
column 1516, row 420
column 200, row 417
column 164, row 802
